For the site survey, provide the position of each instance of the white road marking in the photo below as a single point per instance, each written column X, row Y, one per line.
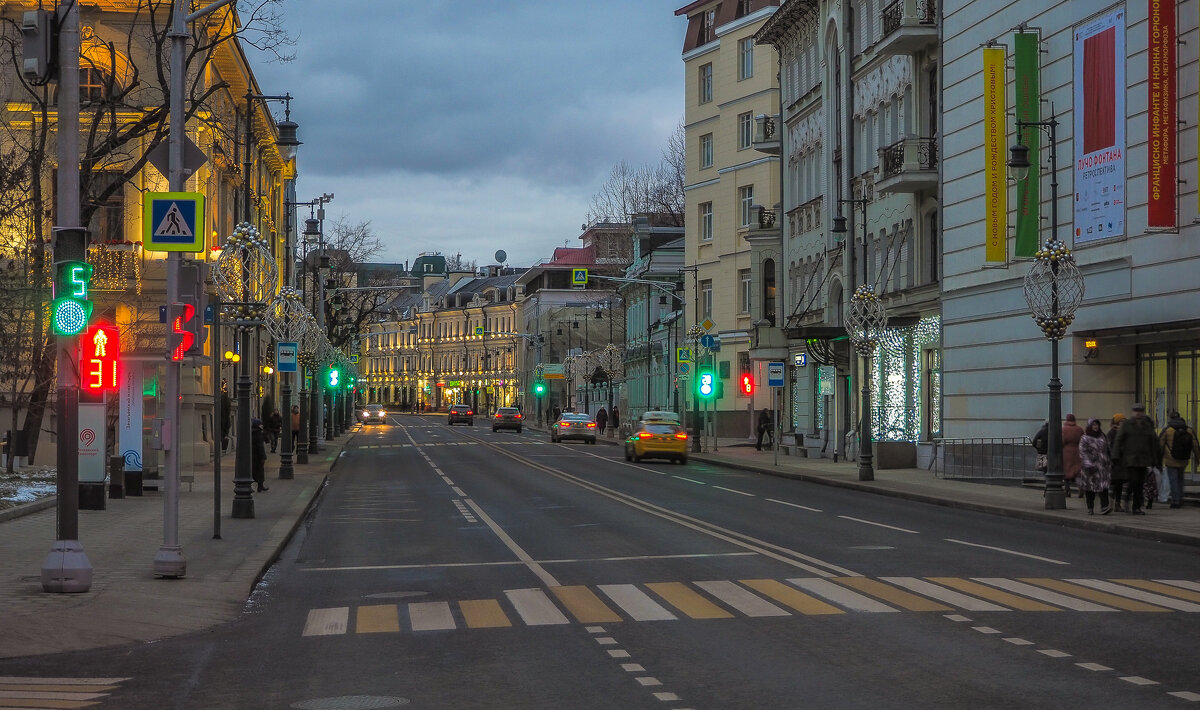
column 327, row 622
column 956, row 617
column 547, row 578
column 985, row 629
column 889, row 527
column 636, row 603
column 1053, row 653
column 618, row 653
column 606, row 641
column 431, row 616
column 1186, row 695
column 1018, row 641
column 741, row 599
column 949, row 596
column 795, row 505
column 1040, row 594
column 1093, row 667
column 691, row 480
column 666, row 697
column 647, row 681
column 731, row 490
column 535, row 607
column 1138, row 594
column 459, row 491
column 1194, row 586
column 80, row 699
column 1138, row 680
column 632, row 668
column 840, row 595
column 1007, row 552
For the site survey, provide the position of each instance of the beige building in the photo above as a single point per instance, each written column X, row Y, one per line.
column 730, row 80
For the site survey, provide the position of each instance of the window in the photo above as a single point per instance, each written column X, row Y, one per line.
column 706, row 83
column 708, row 27
column 746, row 291
column 706, row 298
column 745, row 130
column 746, row 199
column 93, row 85
column 706, row 221
column 745, row 58
column 706, row 150
column 768, row 281
column 108, row 221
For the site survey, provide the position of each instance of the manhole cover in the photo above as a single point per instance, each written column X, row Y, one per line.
column 350, row 702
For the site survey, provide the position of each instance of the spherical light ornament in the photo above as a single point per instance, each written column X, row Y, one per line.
column 286, row 316
column 1054, row 289
column 866, row 319
column 246, row 273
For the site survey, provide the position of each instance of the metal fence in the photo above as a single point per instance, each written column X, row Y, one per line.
column 985, row 458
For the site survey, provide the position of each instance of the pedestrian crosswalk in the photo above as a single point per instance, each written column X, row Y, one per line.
column 32, row 692
column 758, row 598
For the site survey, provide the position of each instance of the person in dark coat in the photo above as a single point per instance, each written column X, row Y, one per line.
column 1177, row 427
column 1137, row 448
column 601, row 420
column 1119, row 476
column 295, row 424
column 226, row 422
column 274, row 428
column 258, row 454
column 615, row 419
column 1071, row 434
column 764, row 425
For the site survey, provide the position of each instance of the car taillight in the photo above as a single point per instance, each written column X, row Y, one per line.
column 644, row 435
column 519, row 416
column 681, row 435
column 498, row 416
column 469, row 412
column 591, row 424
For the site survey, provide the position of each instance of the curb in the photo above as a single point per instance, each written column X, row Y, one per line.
column 24, row 509
column 1033, row 515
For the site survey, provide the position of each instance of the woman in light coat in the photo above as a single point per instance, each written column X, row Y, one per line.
column 1095, row 471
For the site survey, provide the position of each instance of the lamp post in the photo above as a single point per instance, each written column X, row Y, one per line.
column 1054, row 290
column 866, row 322
column 287, row 324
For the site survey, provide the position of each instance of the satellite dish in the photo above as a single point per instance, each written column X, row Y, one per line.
column 501, row 257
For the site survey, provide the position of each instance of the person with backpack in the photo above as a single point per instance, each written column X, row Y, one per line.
column 1179, row 446
column 1137, row 449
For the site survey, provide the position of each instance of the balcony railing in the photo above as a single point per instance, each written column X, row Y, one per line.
column 908, row 26
column 909, row 165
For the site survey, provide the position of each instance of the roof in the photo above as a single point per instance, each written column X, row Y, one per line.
column 573, row 256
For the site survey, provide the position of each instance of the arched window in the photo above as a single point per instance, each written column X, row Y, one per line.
column 768, row 290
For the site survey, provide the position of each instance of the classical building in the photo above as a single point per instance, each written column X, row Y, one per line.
column 1119, row 81
column 858, row 130
column 730, row 80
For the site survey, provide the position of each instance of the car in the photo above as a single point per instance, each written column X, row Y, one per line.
column 659, row 436
column 373, row 414
column 507, row 418
column 572, row 425
column 461, row 413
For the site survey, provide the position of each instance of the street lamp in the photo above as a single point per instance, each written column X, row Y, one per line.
column 287, row 323
column 1054, row 290
column 866, row 321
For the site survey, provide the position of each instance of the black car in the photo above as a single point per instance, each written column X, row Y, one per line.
column 373, row 414
column 507, row 418
column 461, row 413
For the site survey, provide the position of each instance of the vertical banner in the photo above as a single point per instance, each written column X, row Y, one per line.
column 1099, row 135
column 129, row 417
column 92, row 427
column 995, row 129
column 1160, row 193
column 1029, row 108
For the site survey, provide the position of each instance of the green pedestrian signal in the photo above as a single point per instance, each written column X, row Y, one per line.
column 334, row 377
column 72, row 309
column 707, row 385
column 539, row 389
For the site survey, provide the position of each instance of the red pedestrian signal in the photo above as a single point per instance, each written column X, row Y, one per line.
column 100, row 353
column 747, row 384
column 181, row 336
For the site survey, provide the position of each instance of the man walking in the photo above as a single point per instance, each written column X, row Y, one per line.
column 1137, row 449
column 1178, row 446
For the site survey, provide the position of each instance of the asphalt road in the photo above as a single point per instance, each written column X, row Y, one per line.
column 454, row 567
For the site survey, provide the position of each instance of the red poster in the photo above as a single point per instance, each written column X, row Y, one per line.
column 1161, row 114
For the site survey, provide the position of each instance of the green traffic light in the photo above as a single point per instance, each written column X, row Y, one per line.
column 706, row 384
column 71, row 309
column 334, row 378
column 539, row 389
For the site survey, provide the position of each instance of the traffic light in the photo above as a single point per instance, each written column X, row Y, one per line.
column 39, row 46
column 333, row 378
column 707, row 385
column 191, row 291
column 71, row 309
column 747, row 384
column 539, row 389
column 181, row 336
column 100, row 353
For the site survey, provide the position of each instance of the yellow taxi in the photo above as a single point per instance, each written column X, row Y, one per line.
column 657, row 435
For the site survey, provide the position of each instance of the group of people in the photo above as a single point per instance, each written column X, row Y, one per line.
column 1123, row 460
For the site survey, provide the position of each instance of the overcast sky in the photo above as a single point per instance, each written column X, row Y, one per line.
column 479, row 125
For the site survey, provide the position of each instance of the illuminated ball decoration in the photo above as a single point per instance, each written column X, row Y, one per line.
column 246, row 274
column 1054, row 289
column 866, row 319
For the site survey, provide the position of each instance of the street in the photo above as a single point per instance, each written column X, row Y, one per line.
column 459, row 567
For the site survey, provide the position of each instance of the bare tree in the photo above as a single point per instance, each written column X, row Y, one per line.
column 653, row 188
column 354, row 245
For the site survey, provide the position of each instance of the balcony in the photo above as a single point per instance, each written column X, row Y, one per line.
column 766, row 134
column 908, row 166
column 909, row 26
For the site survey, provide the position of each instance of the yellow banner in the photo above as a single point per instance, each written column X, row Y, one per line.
column 995, row 131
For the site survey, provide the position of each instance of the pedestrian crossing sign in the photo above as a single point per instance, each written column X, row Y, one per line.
column 173, row 221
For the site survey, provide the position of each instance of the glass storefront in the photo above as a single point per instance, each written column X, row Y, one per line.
column 1167, row 380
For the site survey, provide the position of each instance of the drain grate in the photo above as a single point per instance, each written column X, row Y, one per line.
column 350, row 702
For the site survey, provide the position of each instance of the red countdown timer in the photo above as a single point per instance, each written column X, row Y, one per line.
column 100, row 353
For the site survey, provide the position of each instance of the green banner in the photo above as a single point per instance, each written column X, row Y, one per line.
column 1028, row 108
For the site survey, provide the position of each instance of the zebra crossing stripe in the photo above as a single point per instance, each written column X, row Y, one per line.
column 636, row 603
column 1095, row 595
column 1161, row 588
column 789, row 596
column 840, row 595
column 1194, row 586
column 740, row 599
column 949, row 596
column 1042, row 594
column 534, row 607
column 891, row 594
column 483, row 614
column 985, row 592
column 585, row 606
column 377, row 618
column 1140, row 595
column 430, row 616
column 327, row 622
column 688, row 601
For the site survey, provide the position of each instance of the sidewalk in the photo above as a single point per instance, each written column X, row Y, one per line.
column 127, row 602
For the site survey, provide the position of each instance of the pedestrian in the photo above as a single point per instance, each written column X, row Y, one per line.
column 1118, row 471
column 557, row 413
column 295, row 424
column 274, row 428
column 1137, row 448
column 226, row 422
column 764, row 426
column 1095, row 467
column 1041, row 444
column 601, row 420
column 258, row 454
column 615, row 419
column 1071, row 434
column 1178, row 446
